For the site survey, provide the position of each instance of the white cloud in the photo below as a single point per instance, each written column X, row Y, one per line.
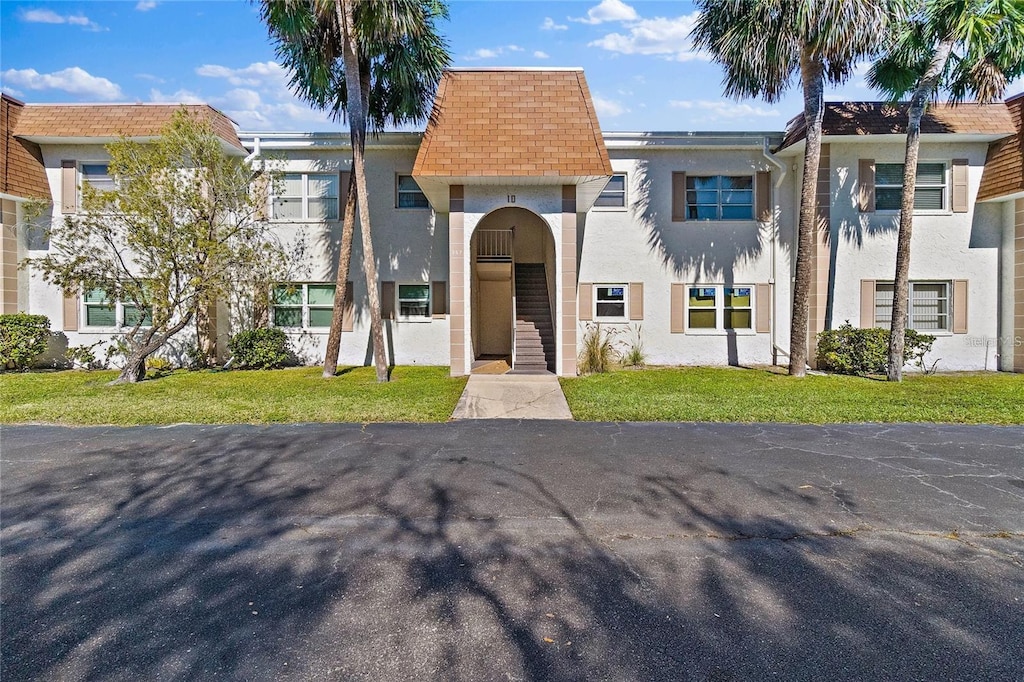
column 608, row 107
column 251, row 110
column 179, row 97
column 668, row 38
column 145, row 5
column 541, row 54
column 267, row 74
column 550, row 25
column 608, row 10
column 73, row 80
column 725, row 108
column 514, row 48
column 491, row 53
column 47, row 16
column 150, row 77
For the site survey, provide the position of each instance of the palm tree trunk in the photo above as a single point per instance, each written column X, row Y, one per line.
column 811, row 73
column 341, row 282
column 901, row 282
column 357, row 126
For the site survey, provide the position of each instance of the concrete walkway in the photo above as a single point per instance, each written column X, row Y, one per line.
column 512, row 396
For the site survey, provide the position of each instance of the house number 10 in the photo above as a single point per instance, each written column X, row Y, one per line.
column 511, row 198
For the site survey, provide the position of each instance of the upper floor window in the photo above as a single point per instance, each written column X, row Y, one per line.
column 928, row 309
column 307, row 196
column 97, row 175
column 409, row 194
column 719, row 197
column 929, row 191
column 614, row 194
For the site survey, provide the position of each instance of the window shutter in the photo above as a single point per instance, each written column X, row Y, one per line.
column 68, row 187
column 636, row 300
column 959, row 306
column 344, row 180
column 438, row 299
column 763, row 314
column 763, row 191
column 348, row 317
column 586, row 301
column 959, row 186
column 678, row 197
column 387, row 300
column 867, row 303
column 677, row 309
column 261, row 187
column 866, row 181
column 71, row 308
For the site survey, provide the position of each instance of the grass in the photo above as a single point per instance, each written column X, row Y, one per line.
column 415, row 394
column 767, row 395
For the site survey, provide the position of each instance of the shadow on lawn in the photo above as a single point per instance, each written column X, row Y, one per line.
column 254, row 553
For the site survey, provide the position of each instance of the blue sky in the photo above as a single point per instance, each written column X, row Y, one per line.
column 636, row 55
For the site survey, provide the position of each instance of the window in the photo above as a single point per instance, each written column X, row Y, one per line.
column 303, row 306
column 409, row 194
column 610, row 301
column 97, row 175
column 307, row 196
column 413, row 301
column 614, row 194
column 719, row 307
column 928, row 309
column 100, row 312
column 929, row 192
column 719, row 197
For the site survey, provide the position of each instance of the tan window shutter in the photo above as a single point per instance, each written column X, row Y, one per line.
column 344, row 180
column 438, row 299
column 867, row 303
column 586, row 301
column 678, row 197
column 763, row 191
column 866, row 183
column 71, row 308
column 261, row 188
column 348, row 317
column 387, row 300
column 959, row 306
column 636, row 300
column 68, row 187
column 677, row 309
column 763, row 312
column 959, row 186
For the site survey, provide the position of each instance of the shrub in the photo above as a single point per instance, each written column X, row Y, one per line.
column 265, row 348
column 634, row 355
column 23, row 338
column 158, row 366
column 598, row 353
column 83, row 357
column 848, row 350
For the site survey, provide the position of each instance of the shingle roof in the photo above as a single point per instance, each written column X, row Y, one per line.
column 513, row 123
column 881, row 118
column 114, row 120
column 22, row 172
column 1004, row 167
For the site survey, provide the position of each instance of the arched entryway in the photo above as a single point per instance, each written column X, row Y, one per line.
column 512, row 291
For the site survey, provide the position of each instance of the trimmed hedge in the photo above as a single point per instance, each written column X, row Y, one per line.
column 23, row 339
column 849, row 350
column 265, row 348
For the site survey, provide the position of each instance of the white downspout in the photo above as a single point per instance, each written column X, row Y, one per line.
column 774, row 236
column 256, row 151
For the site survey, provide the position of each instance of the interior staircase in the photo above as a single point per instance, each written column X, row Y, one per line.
column 535, row 335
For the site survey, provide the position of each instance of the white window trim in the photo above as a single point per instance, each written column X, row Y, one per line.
column 304, row 305
column 625, row 302
column 946, row 209
column 625, row 196
column 719, row 309
column 722, row 174
column 416, row 319
column 948, row 331
column 119, row 324
column 305, row 175
column 399, row 192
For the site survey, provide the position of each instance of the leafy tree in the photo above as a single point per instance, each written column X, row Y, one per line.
column 181, row 229
column 763, row 44
column 969, row 48
column 379, row 63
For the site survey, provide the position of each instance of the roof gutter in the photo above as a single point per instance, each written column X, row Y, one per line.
column 766, row 152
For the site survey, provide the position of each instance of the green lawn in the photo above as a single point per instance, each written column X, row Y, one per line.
column 756, row 395
column 415, row 394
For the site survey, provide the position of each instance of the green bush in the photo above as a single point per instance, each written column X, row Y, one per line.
column 23, row 338
column 848, row 350
column 598, row 353
column 265, row 348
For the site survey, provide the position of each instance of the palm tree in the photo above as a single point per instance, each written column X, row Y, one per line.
column 969, row 48
column 379, row 63
column 762, row 44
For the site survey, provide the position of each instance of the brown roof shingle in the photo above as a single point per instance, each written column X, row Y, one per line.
column 513, row 123
column 22, row 172
column 1004, row 166
column 881, row 118
column 114, row 120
